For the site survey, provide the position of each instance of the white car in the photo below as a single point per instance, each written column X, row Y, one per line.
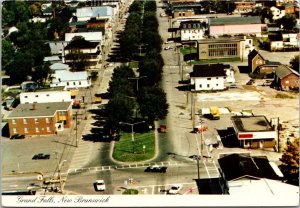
column 175, row 188
column 170, row 41
column 100, row 185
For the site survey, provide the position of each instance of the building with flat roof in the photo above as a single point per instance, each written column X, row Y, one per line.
column 39, row 118
column 224, row 47
column 235, row 25
column 254, row 131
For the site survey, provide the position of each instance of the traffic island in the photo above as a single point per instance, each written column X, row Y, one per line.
column 139, row 148
column 130, row 192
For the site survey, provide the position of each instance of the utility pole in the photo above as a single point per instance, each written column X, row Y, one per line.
column 278, row 142
column 76, row 114
column 137, row 81
column 132, row 133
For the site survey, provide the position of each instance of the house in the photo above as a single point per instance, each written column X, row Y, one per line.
column 256, row 177
column 70, row 80
column 286, row 78
column 86, row 13
column 275, row 41
column 235, row 25
column 56, row 47
column 224, row 47
column 96, row 23
column 191, row 30
column 282, row 2
column 59, row 66
column 239, row 167
column 52, row 59
column 45, row 97
column 279, row 41
column 254, row 60
column 84, row 50
column 208, row 77
column 244, row 6
column 292, row 9
column 254, row 131
column 40, row 118
column 181, row 12
column 88, row 36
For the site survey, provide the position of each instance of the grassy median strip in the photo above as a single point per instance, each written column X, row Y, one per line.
column 143, row 147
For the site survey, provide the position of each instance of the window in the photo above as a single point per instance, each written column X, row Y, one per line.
column 36, row 120
column 217, row 77
column 15, row 130
column 47, row 120
column 200, row 85
column 79, row 82
column 37, row 129
column 48, row 129
column 74, row 83
column 25, row 130
column 208, row 78
column 68, row 84
column 25, row 120
column 13, row 121
column 207, row 85
column 36, row 96
column 47, row 95
column 217, row 84
column 26, row 96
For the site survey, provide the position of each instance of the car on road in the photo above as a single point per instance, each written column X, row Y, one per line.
column 156, row 169
column 233, row 86
column 41, row 156
column 99, row 185
column 169, row 41
column 169, row 48
column 175, row 188
column 17, row 136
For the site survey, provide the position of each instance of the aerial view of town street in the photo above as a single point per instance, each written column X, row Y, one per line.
column 155, row 98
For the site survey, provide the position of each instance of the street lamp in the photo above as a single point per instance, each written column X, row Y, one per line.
column 137, row 81
column 132, row 133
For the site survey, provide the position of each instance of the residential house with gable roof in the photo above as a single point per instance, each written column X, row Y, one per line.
column 208, row 77
column 286, row 78
column 70, row 80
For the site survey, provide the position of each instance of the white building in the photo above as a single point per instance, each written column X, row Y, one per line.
column 70, row 80
column 86, row 13
column 59, row 66
column 45, row 97
column 191, row 30
column 89, row 36
column 208, row 77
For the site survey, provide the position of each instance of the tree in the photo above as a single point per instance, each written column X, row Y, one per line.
column 20, row 68
column 295, row 63
column 136, row 6
column 40, row 73
column 150, row 6
column 266, row 15
column 14, row 12
column 151, row 69
column 288, row 21
column 290, row 160
column 120, row 108
column 8, row 53
column 119, row 83
column 153, row 103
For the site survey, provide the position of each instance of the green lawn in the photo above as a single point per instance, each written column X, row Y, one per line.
column 134, row 64
column 123, row 149
column 188, row 50
column 209, row 61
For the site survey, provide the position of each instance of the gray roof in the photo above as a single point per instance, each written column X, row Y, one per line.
column 283, row 70
column 235, row 20
column 56, row 47
column 251, row 123
column 40, row 109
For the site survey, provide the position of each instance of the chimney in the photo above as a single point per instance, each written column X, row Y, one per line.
column 33, row 106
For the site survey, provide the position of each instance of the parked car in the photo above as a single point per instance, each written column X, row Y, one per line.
column 156, row 169
column 170, row 41
column 233, row 86
column 17, row 136
column 169, row 48
column 250, row 82
column 267, row 83
column 175, row 188
column 99, row 185
column 41, row 156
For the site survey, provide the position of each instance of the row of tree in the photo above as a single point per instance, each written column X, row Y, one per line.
column 141, row 97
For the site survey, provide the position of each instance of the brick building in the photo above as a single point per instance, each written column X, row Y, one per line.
column 40, row 118
column 286, row 78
